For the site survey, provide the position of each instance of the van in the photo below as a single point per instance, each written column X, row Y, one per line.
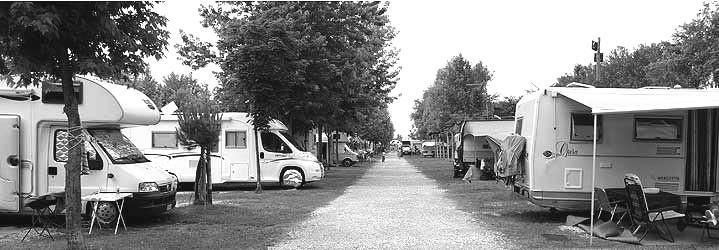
column 282, row 160
column 668, row 137
column 33, row 129
column 428, row 149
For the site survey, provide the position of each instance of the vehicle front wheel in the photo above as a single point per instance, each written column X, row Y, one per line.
column 107, row 213
column 291, row 178
column 347, row 163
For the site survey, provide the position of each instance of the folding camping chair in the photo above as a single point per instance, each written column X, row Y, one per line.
column 613, row 207
column 43, row 215
column 642, row 216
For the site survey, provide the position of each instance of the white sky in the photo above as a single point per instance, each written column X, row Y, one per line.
column 523, row 42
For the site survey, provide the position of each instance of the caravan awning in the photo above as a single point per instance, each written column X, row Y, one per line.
column 610, row 100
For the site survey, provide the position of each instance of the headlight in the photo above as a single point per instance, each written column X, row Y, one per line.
column 148, row 187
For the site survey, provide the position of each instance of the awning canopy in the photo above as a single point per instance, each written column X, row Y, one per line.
column 611, row 100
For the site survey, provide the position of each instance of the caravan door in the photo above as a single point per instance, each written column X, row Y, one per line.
column 9, row 163
column 237, row 156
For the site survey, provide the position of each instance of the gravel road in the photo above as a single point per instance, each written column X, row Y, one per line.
column 393, row 206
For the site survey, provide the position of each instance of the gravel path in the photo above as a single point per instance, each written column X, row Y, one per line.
column 393, row 206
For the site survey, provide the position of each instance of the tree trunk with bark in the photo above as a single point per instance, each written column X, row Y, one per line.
column 258, row 188
column 73, row 201
column 208, row 169
column 200, row 191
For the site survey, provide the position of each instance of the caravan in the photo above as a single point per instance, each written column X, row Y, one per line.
column 578, row 138
column 479, row 139
column 282, row 160
column 36, row 141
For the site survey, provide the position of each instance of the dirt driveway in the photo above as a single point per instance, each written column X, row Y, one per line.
column 393, row 206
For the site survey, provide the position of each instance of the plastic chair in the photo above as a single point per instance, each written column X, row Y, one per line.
column 642, row 216
column 613, row 207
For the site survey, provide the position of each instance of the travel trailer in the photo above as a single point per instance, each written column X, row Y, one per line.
column 668, row 137
column 282, row 160
column 480, row 139
column 33, row 128
column 428, row 149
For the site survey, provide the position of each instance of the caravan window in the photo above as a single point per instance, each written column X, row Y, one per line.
column 658, row 129
column 236, row 139
column 582, row 128
column 518, row 126
column 164, row 139
column 273, row 143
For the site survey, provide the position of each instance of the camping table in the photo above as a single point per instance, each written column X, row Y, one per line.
column 658, row 200
column 108, row 197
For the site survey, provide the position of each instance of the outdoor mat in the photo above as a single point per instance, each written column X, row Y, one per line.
column 603, row 229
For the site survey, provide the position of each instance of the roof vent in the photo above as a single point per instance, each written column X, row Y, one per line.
column 579, row 85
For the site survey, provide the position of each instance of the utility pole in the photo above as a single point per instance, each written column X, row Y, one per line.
column 598, row 58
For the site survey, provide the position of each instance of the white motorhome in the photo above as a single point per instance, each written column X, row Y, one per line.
column 34, row 131
column 479, row 139
column 281, row 158
column 668, row 137
column 429, row 149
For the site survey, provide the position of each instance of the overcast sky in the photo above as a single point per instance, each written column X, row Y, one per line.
column 522, row 42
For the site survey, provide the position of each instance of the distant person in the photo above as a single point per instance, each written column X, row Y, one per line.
column 383, row 153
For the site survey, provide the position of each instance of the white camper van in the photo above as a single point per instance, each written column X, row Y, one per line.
column 668, row 137
column 281, row 158
column 33, row 129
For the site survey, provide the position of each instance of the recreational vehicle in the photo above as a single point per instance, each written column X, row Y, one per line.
column 578, row 138
column 428, row 149
column 234, row 160
column 36, row 144
column 479, row 139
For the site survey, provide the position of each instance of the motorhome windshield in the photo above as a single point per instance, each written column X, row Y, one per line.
column 292, row 140
column 117, row 146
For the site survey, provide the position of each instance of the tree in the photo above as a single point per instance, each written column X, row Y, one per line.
column 458, row 93
column 507, row 106
column 200, row 125
column 40, row 40
column 316, row 63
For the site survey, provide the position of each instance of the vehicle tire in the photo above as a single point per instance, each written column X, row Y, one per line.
column 346, row 163
column 107, row 213
column 291, row 178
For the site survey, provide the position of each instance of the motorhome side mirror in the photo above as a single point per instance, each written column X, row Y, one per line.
column 94, row 164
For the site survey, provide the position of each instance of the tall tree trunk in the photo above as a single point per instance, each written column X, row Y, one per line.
column 200, row 183
column 72, row 167
column 258, row 188
column 208, row 169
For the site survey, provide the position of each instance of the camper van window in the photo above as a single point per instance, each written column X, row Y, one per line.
column 164, row 139
column 117, row 146
column 583, row 127
column 236, row 139
column 658, row 129
column 292, row 140
column 273, row 143
column 518, row 126
column 61, row 149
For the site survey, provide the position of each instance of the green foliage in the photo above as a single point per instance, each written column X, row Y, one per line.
column 322, row 63
column 182, row 89
column 459, row 93
column 690, row 60
column 506, row 106
column 107, row 39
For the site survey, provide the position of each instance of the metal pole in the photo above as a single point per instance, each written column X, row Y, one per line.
column 596, row 66
column 594, row 167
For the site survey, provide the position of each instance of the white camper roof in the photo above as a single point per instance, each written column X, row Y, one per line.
column 102, row 103
column 230, row 116
column 614, row 100
column 499, row 129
